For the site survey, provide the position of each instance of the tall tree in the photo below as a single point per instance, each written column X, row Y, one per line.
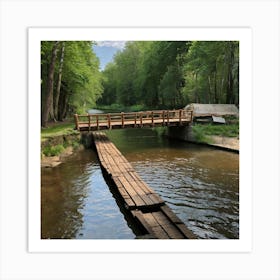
column 58, row 87
column 74, row 78
column 49, row 94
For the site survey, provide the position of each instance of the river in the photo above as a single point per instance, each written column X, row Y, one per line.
column 200, row 184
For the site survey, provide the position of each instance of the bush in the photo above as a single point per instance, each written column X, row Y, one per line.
column 51, row 151
column 200, row 135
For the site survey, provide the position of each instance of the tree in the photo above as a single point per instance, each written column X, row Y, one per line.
column 75, row 78
column 49, row 94
column 59, row 81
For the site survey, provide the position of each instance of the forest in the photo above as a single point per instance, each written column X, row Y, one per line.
column 144, row 75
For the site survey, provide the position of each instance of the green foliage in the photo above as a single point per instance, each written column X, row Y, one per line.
column 57, row 130
column 50, row 151
column 81, row 80
column 204, row 130
column 200, row 135
column 117, row 108
column 171, row 74
column 211, row 72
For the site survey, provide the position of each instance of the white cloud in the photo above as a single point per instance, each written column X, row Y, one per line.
column 114, row 44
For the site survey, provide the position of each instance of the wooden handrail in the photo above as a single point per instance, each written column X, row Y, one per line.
column 97, row 121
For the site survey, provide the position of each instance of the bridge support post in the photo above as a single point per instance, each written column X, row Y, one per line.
column 76, row 119
column 180, row 117
column 88, row 122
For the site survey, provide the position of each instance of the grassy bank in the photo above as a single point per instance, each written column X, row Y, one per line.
column 203, row 132
column 57, row 130
column 56, row 138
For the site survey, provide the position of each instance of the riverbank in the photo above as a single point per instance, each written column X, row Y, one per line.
column 58, row 142
column 221, row 137
column 229, row 143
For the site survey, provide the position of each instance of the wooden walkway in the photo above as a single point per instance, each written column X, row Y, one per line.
column 146, row 207
column 91, row 122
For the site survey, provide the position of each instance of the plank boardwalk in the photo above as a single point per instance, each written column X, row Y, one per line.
column 146, row 207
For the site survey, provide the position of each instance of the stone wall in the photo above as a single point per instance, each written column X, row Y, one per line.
column 181, row 133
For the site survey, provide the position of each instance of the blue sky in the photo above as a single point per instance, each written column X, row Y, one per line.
column 105, row 51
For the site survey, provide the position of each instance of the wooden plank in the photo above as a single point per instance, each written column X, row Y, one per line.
column 157, row 218
column 139, row 216
column 189, row 234
column 170, row 214
column 157, row 230
column 178, row 222
column 167, row 225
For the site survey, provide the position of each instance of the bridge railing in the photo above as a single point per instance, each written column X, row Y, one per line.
column 163, row 117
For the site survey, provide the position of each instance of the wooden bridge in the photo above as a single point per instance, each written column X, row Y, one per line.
column 91, row 122
column 146, row 207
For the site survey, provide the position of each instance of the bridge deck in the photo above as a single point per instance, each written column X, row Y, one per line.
column 146, row 207
column 91, row 122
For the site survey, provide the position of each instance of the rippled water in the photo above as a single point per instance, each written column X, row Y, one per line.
column 200, row 184
column 77, row 203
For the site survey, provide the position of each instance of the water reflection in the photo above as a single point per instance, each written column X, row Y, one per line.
column 76, row 202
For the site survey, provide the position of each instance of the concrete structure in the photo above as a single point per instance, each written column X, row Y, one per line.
column 208, row 110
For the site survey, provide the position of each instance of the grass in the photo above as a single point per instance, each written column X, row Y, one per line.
column 202, row 131
column 51, row 151
column 57, row 130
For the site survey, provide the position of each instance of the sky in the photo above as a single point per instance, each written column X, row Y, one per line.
column 105, row 51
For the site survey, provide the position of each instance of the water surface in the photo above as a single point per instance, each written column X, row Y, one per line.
column 200, row 184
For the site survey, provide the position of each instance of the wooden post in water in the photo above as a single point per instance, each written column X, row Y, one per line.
column 76, row 118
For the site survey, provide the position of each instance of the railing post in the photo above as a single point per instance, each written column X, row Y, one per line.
column 76, row 118
column 135, row 118
column 141, row 119
column 109, row 121
column 88, row 122
column 97, row 122
column 167, row 118
column 122, row 120
column 152, row 114
column 180, row 117
column 163, row 117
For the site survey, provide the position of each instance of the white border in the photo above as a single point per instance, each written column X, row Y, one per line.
column 36, row 35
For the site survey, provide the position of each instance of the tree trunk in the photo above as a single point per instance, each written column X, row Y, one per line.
column 59, row 81
column 49, row 95
column 230, row 97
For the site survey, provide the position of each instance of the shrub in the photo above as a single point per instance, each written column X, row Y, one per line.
column 51, row 151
